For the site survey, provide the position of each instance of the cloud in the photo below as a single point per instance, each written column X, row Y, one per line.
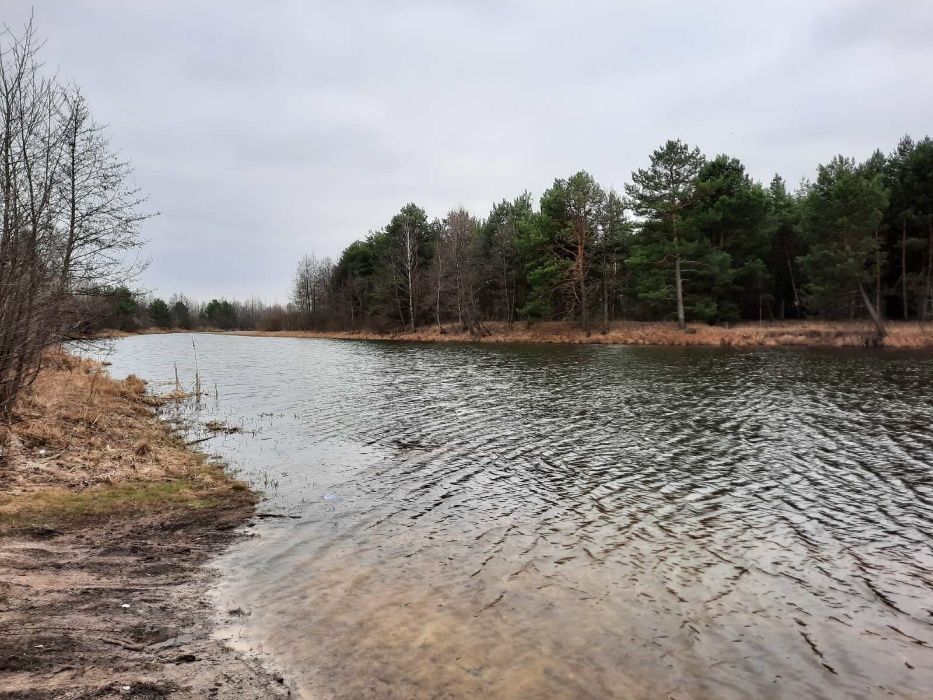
column 267, row 130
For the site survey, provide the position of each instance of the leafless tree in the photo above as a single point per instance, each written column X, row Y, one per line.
column 311, row 289
column 454, row 264
column 69, row 212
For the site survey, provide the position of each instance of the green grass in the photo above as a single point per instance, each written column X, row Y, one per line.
column 60, row 506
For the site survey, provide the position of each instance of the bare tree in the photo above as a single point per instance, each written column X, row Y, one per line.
column 303, row 288
column 102, row 208
column 454, row 257
column 311, row 289
column 69, row 213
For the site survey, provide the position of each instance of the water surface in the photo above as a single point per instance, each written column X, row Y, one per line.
column 575, row 521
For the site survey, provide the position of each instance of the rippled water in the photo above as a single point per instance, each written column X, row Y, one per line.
column 549, row 521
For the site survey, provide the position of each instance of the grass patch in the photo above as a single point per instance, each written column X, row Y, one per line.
column 66, row 506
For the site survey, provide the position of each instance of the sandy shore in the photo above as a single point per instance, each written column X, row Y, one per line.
column 106, row 523
column 789, row 333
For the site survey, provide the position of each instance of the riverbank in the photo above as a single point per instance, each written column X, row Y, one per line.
column 789, row 333
column 107, row 520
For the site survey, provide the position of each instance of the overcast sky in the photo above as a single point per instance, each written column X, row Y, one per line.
column 266, row 130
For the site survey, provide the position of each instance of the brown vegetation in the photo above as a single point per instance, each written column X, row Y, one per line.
column 77, row 432
column 790, row 333
column 106, row 519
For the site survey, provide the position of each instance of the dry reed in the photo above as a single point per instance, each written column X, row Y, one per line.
column 773, row 334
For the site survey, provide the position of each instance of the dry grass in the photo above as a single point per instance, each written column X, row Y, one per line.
column 788, row 333
column 83, row 444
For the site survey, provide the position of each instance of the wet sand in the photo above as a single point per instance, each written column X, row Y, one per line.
column 119, row 609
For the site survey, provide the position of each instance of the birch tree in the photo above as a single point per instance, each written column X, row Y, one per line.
column 409, row 245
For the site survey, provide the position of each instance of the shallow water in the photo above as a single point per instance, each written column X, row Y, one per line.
column 576, row 521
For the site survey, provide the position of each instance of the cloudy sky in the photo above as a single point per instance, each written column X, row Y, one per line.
column 266, row 130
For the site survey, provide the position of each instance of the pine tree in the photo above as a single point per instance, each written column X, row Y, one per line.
column 661, row 193
column 842, row 211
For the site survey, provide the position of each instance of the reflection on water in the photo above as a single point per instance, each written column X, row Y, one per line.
column 544, row 521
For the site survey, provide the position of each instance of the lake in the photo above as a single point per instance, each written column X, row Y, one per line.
column 525, row 521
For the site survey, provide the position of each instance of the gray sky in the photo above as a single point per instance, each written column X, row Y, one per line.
column 266, row 130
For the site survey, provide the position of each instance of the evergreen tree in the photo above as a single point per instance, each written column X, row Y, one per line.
column 728, row 222
column 909, row 219
column 181, row 315
column 842, row 212
column 785, row 247
column 562, row 244
column 611, row 246
column 504, row 286
column 159, row 313
column 661, row 194
column 220, row 313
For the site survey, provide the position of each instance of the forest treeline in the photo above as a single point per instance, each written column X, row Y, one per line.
column 690, row 238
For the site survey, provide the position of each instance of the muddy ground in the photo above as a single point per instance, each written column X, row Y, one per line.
column 118, row 610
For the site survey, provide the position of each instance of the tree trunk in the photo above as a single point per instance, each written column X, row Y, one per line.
column 411, row 305
column 928, row 304
column 509, row 295
column 606, row 303
column 581, row 272
column 437, row 307
column 678, row 281
column 681, row 317
column 398, row 302
column 793, row 284
column 877, row 272
column 904, row 266
column 873, row 312
column 459, row 278
column 440, row 277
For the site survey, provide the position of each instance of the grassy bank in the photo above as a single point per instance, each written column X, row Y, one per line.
column 86, row 445
column 106, row 521
column 789, row 333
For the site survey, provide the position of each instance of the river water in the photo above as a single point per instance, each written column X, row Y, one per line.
column 525, row 521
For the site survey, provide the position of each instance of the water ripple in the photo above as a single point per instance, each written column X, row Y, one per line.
column 528, row 521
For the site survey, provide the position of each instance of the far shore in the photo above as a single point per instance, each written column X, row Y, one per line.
column 900, row 334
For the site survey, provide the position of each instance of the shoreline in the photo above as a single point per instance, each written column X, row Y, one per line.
column 851, row 334
column 108, row 523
